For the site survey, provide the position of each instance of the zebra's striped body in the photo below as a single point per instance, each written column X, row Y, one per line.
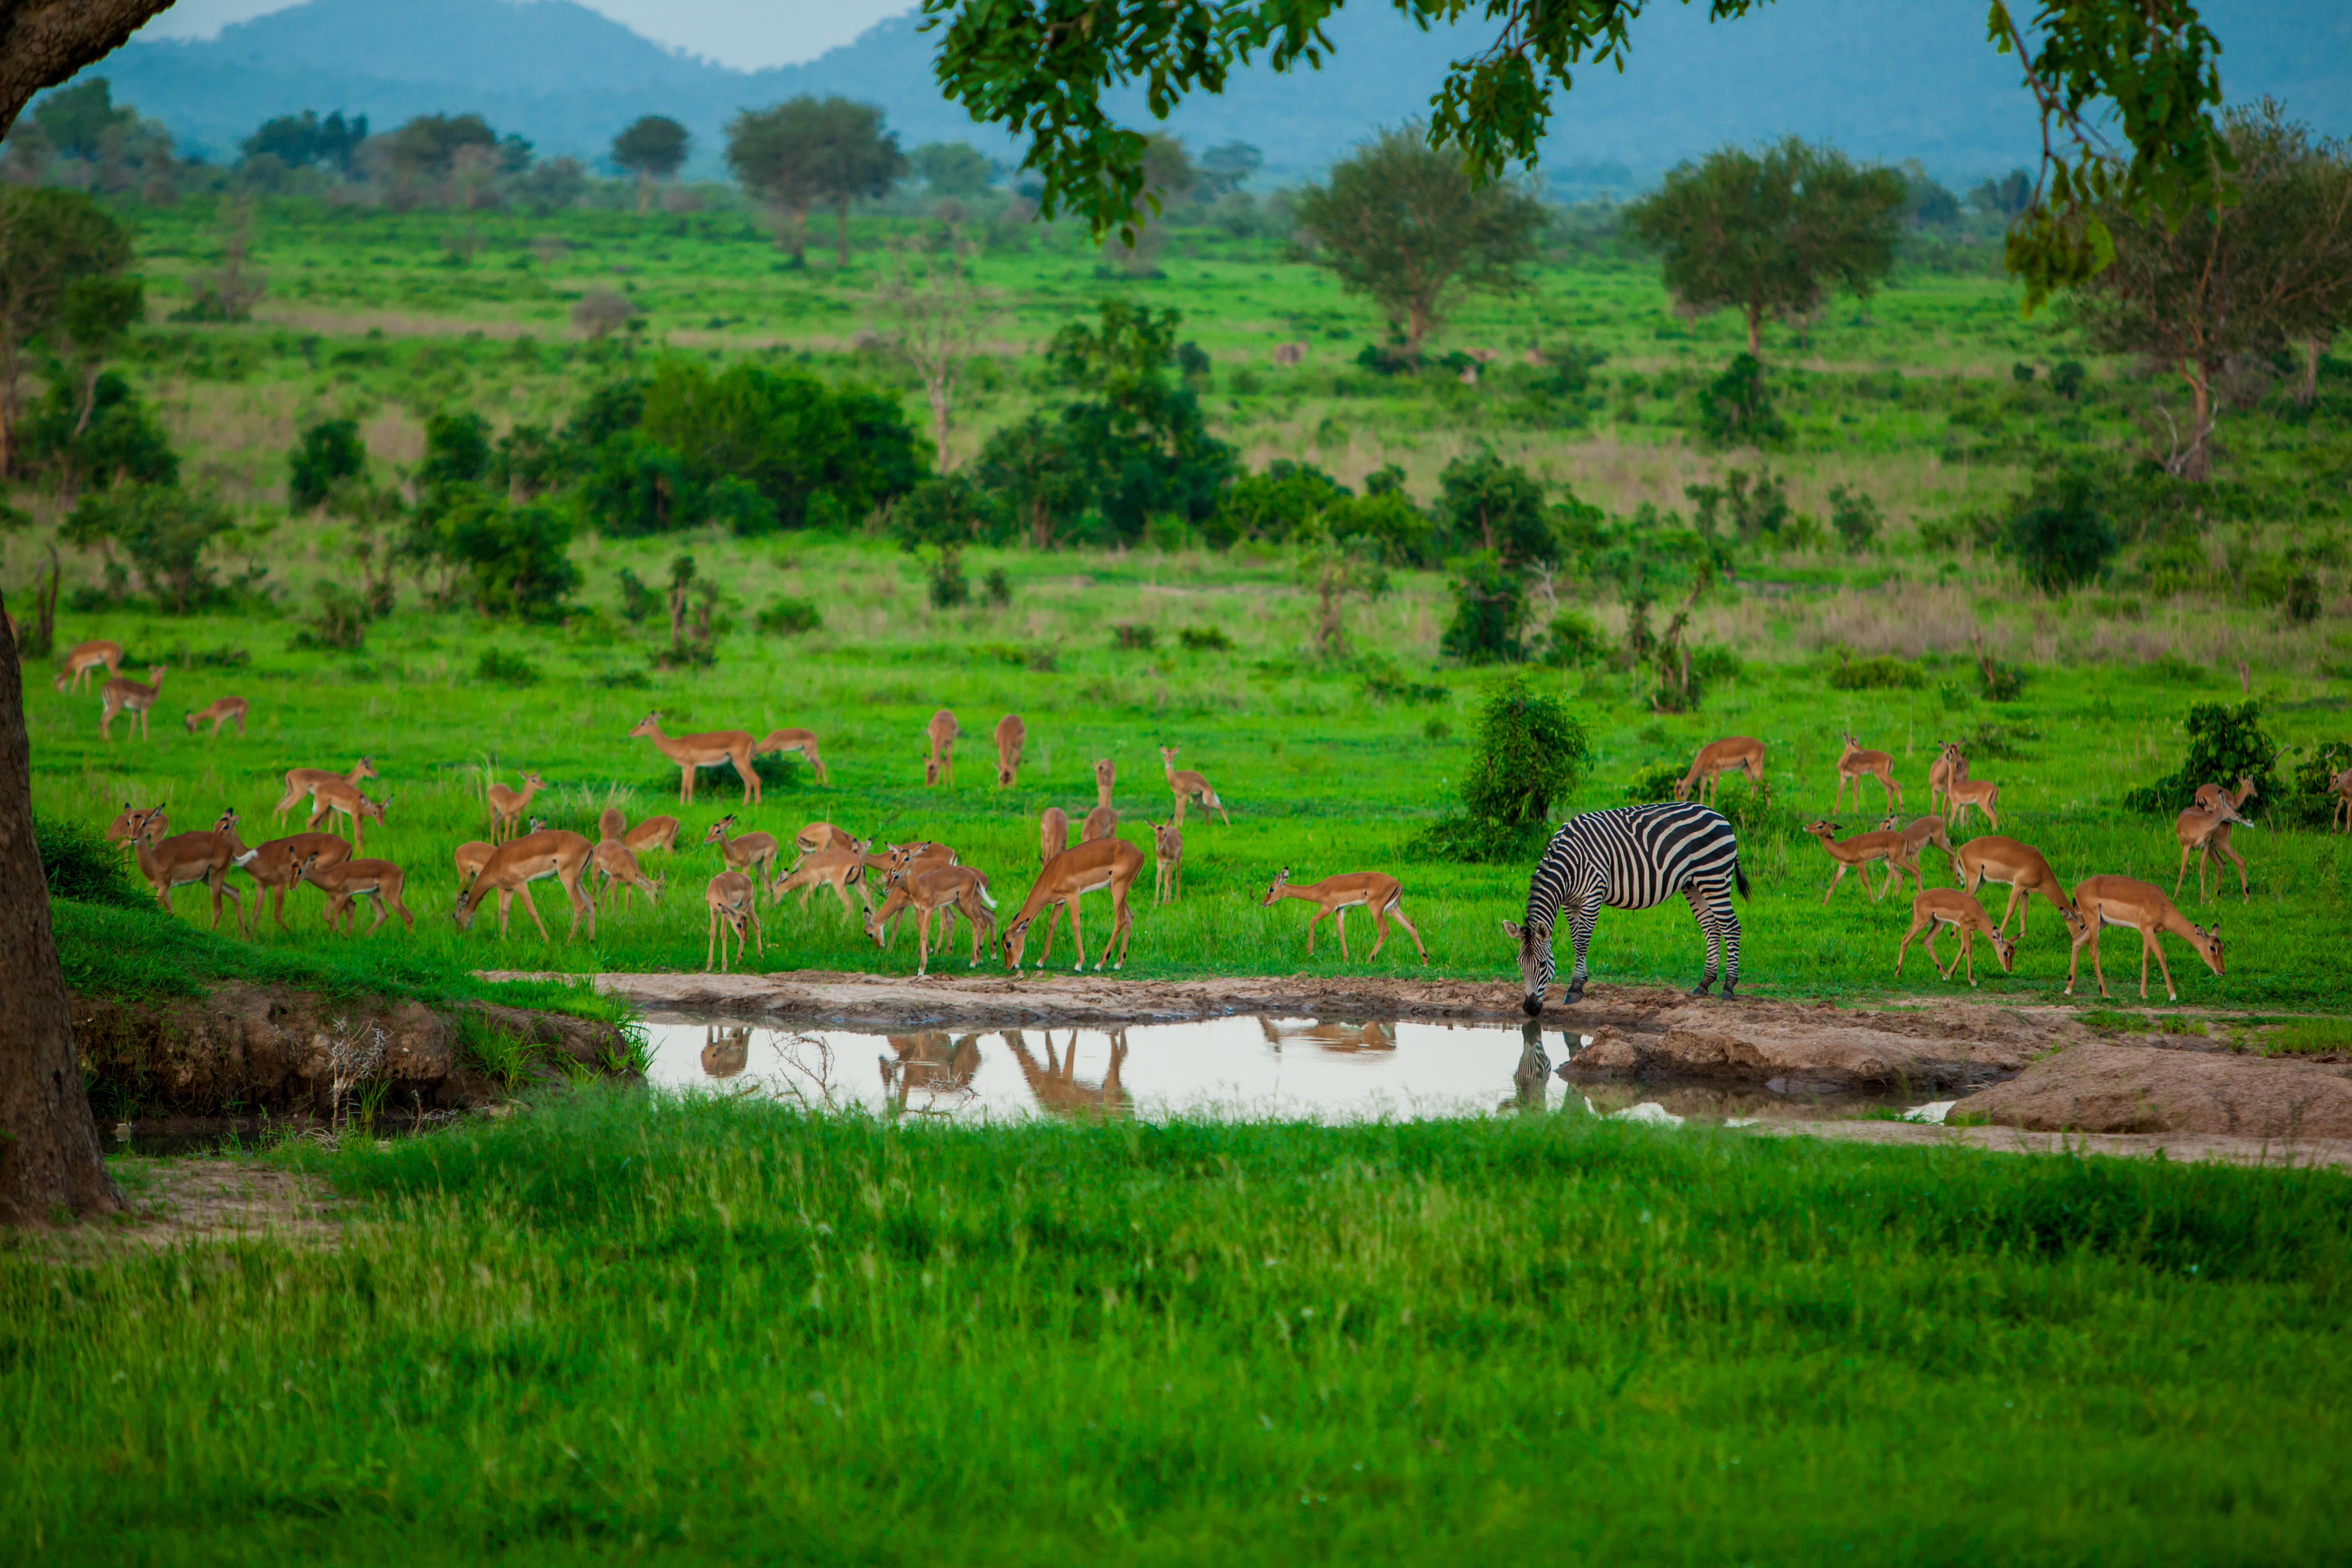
column 1631, row 858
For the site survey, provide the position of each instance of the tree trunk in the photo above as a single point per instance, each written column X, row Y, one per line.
column 1416, row 326
column 1756, row 331
column 44, row 42
column 937, row 386
column 2306, row 386
column 2196, row 462
column 791, row 231
column 841, row 234
column 644, row 192
column 50, row 1158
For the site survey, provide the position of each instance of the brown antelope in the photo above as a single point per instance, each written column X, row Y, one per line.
column 611, row 822
column 1112, row 863
column 336, row 797
column 1937, row 907
column 708, row 749
column 1996, row 860
column 1734, row 753
column 131, row 697
column 1859, row 852
column 941, row 1065
column 302, row 782
column 1856, row 764
column 1167, row 858
column 1100, row 823
column 1924, row 832
column 506, row 806
column 2197, row 831
column 124, row 829
column 1948, row 765
column 1052, row 833
column 2121, row 901
column 1106, row 774
column 745, row 853
column 1011, row 735
column 942, row 732
column 734, row 903
column 2211, row 795
column 819, row 836
column 1377, row 891
column 186, row 858
column 840, row 870
column 515, row 865
column 1190, row 785
column 801, row 740
column 2340, row 786
column 900, row 858
column 87, row 657
column 219, row 712
column 613, row 861
column 1056, row 1087
column 1338, row 1037
column 653, row 832
column 341, row 882
column 726, row 1049
column 1984, row 795
column 935, row 889
column 277, row 865
column 473, row 855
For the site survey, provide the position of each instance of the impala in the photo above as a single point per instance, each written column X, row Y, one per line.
column 819, row 836
column 87, row 657
column 1924, row 832
column 302, row 782
column 124, row 829
column 506, row 806
column 1937, row 908
column 1057, row 1086
column 2197, row 831
column 1857, row 765
column 840, row 870
column 2209, row 797
column 1734, row 753
column 1100, row 823
column 1167, row 858
column 1106, row 774
column 1995, row 860
column 131, row 697
column 219, row 712
column 744, row 853
column 708, row 749
column 613, row 861
column 1190, row 785
column 1052, row 833
column 473, row 855
column 801, row 740
column 1011, row 735
column 183, row 860
column 734, row 903
column 277, row 865
column 935, row 889
column 1112, row 863
column 1859, row 852
column 653, row 832
column 2121, row 901
column 2340, row 786
column 1343, row 1038
column 377, row 880
column 337, row 797
column 515, row 865
column 1948, row 765
column 1984, row 795
column 1377, row 891
column 901, row 859
column 942, row 732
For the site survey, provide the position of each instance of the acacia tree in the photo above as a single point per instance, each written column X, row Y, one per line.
column 1771, row 235
column 1406, row 224
column 2203, row 297
column 938, row 315
column 807, row 151
column 652, row 148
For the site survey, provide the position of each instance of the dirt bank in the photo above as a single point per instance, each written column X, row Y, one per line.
column 249, row 1048
column 2328, row 1154
column 2095, row 1088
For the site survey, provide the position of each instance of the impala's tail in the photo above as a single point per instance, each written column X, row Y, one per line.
column 983, row 896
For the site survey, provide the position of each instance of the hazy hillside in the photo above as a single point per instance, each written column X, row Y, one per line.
column 1890, row 78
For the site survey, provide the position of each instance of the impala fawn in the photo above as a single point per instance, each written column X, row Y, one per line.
column 2340, row 786
column 2210, row 797
column 186, row 858
column 131, row 697
column 1106, row 774
column 749, row 853
column 1933, row 910
column 1857, row 765
column 1190, row 785
column 840, row 870
column 2122, row 901
column 1100, row 824
column 734, row 903
column 344, row 880
column 219, row 712
column 1734, row 753
column 615, row 861
column 1168, row 860
column 508, row 805
column 1925, row 832
column 1961, row 791
column 305, row 781
column 2197, row 831
column 335, row 797
column 85, row 657
column 801, row 740
column 277, row 865
column 1377, row 891
column 1052, row 833
column 1012, row 737
column 1948, row 764
column 1858, row 853
column 942, row 732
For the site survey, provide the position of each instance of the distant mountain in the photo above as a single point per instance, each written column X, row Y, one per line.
column 1884, row 79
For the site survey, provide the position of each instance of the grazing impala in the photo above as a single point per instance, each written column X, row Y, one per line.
column 185, row 859
column 219, row 712
column 87, row 657
column 1011, row 735
column 942, row 732
column 801, row 740
column 653, row 832
column 2209, row 797
column 131, row 697
column 1937, row 908
column 1377, row 891
column 506, row 806
column 1857, row 765
column 819, row 836
column 1734, row 753
column 1925, row 832
column 2197, row 830
column 930, row 890
column 613, row 861
column 734, row 903
column 1190, row 785
column 337, row 797
column 1112, row 863
column 2121, row 901
column 302, row 782
column 1992, row 858
column 1167, row 858
column 898, row 859
column 515, row 865
column 750, row 851
column 840, row 870
column 277, row 865
column 1052, row 833
column 346, row 880
column 1859, row 852
column 708, row 749
column 473, row 855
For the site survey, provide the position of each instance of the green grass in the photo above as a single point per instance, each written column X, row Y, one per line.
column 724, row 1331
column 2316, row 1035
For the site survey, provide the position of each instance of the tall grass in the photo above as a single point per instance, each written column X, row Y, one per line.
column 722, row 1330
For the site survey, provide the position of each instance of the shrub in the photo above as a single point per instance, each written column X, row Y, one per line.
column 163, row 528
column 1883, row 673
column 1756, row 507
column 516, row 557
column 2226, row 742
column 1528, row 752
column 948, row 587
column 1573, row 641
column 1127, row 634
column 2302, row 599
column 2067, row 376
column 1437, row 729
column 2058, row 533
column 1205, row 639
column 1736, row 407
column 340, row 623
column 997, row 587
column 1854, row 516
column 786, row 617
column 1654, row 783
column 80, row 864
column 1489, row 603
column 498, row 668
column 329, row 453
column 2307, row 802
column 2020, row 373
column 1383, row 681
column 638, row 601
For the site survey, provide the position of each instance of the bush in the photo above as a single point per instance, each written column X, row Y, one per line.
column 1883, row 673
column 2226, row 742
column 2307, row 802
column 2067, row 376
column 638, row 601
column 1573, row 641
column 1127, row 634
column 80, row 864
column 516, row 557
column 788, row 618
column 340, row 623
column 163, row 528
column 498, row 668
column 1654, row 783
column 997, row 587
column 1528, row 752
column 1854, row 516
column 1383, row 681
column 1735, row 408
column 120, row 439
column 949, row 586
column 2058, row 533
column 1489, row 603
column 1756, row 507
column 329, row 453
column 1205, row 639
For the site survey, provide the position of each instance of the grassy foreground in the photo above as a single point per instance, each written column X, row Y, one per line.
column 728, row 1331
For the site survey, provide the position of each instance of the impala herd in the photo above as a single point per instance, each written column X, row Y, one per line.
column 927, row 879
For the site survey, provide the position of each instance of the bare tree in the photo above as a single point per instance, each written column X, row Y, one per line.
column 938, row 315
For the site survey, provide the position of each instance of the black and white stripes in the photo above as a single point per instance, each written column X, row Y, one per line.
column 1631, row 858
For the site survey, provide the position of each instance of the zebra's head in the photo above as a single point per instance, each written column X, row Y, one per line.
column 1535, row 963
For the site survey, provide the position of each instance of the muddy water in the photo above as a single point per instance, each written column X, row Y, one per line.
column 1239, row 1068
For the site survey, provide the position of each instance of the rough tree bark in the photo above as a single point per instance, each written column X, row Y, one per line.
column 43, row 42
column 50, row 1158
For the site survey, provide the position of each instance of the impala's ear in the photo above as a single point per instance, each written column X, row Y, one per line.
column 1511, row 929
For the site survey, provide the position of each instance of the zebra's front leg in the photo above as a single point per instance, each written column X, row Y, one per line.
column 1580, row 936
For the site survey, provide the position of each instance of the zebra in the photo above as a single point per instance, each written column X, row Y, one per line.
column 1631, row 858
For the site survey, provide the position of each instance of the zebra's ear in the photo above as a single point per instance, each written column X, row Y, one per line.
column 1511, row 930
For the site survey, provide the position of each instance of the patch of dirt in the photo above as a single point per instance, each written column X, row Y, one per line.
column 2100, row 1088
column 196, row 1199
column 2316, row 1153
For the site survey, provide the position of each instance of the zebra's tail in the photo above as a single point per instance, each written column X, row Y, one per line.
column 1739, row 877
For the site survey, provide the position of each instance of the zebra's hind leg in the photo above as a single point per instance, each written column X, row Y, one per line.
column 1720, row 924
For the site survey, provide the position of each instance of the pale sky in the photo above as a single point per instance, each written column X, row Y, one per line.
column 745, row 34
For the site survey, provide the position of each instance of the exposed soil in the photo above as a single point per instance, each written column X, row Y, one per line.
column 194, row 1199
column 2098, row 1088
column 2333, row 1154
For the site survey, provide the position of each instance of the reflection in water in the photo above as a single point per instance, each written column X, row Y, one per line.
column 1332, row 1036
column 932, row 1067
column 1056, row 1086
column 726, row 1049
column 1531, row 1080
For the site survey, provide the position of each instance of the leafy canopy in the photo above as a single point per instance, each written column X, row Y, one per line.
column 653, row 145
